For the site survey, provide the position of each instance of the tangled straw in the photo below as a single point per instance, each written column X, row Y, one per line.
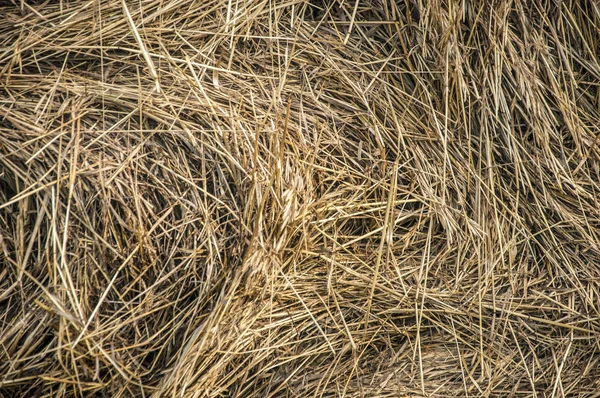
column 304, row 198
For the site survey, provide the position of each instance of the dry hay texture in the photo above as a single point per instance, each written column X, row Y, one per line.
column 261, row 198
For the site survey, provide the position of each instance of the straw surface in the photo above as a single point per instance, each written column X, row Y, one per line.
column 303, row 198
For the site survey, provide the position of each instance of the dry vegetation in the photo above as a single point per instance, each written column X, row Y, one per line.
column 303, row 198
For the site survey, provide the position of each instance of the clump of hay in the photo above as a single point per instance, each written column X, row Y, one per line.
column 302, row 198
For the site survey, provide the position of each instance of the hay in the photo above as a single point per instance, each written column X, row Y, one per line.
column 299, row 198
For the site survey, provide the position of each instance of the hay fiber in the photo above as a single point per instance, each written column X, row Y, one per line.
column 299, row 198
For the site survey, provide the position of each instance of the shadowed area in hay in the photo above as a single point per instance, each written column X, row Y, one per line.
column 306, row 198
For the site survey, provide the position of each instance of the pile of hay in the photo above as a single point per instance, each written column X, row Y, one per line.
column 304, row 198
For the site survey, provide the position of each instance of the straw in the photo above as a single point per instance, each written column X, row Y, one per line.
column 299, row 199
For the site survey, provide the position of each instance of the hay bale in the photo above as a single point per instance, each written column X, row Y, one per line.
column 303, row 198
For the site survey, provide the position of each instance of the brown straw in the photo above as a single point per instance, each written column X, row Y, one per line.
column 303, row 198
